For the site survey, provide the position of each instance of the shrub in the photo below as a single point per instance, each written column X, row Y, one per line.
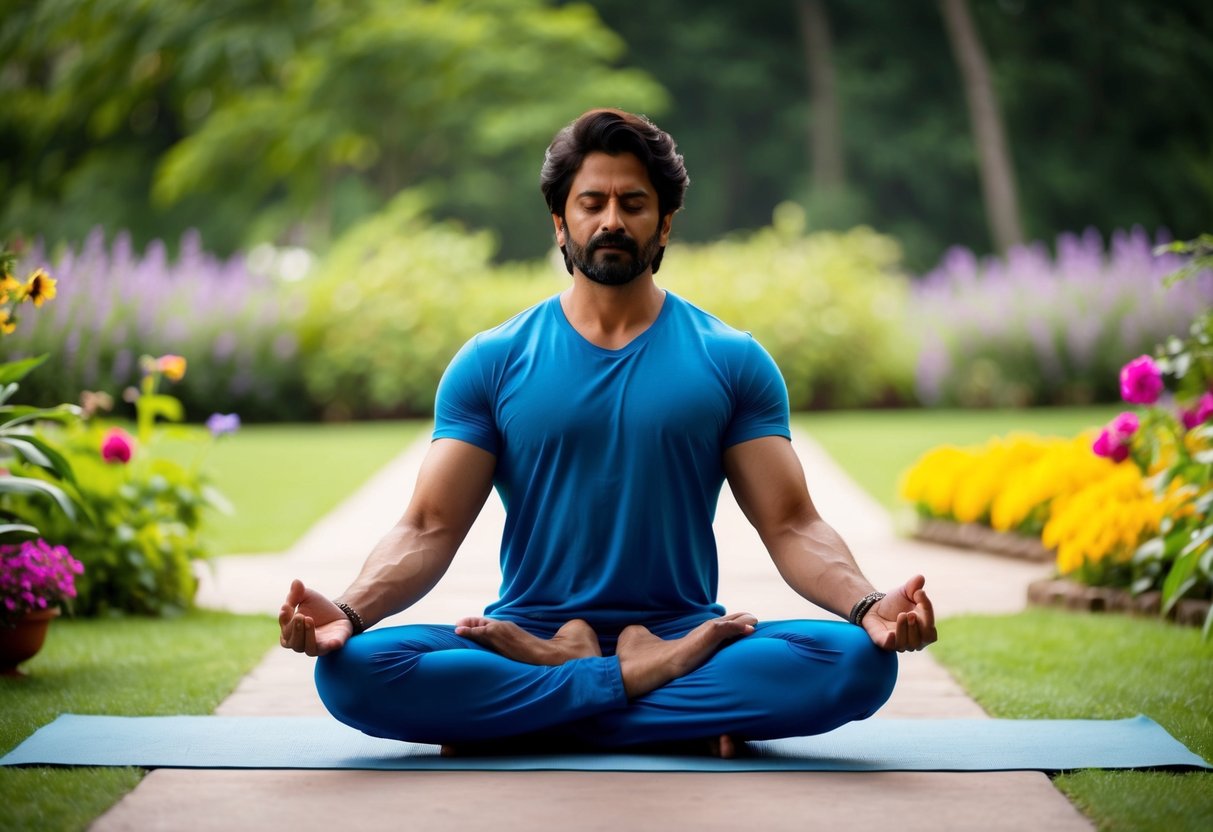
column 827, row 306
column 235, row 326
column 1031, row 329
column 398, row 296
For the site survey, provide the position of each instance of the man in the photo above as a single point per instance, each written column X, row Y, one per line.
column 607, row 418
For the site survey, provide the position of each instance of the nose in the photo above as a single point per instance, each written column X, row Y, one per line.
column 612, row 217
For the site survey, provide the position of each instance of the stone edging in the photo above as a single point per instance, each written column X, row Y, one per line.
column 976, row 536
column 1058, row 592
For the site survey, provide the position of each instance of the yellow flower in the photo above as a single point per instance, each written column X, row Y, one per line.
column 7, row 324
column 10, row 289
column 173, row 367
column 40, row 287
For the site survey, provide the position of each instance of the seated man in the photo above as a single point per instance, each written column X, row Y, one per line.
column 607, row 418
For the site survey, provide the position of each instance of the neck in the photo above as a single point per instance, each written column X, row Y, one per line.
column 611, row 316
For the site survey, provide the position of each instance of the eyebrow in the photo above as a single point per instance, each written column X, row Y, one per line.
column 640, row 193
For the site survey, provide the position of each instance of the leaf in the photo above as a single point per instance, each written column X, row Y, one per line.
column 28, row 485
column 22, row 528
column 1197, row 538
column 1150, row 550
column 60, row 413
column 1179, row 580
column 167, row 407
column 12, row 371
column 1207, row 630
column 53, row 461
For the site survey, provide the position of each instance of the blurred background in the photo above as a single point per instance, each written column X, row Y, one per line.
column 316, row 202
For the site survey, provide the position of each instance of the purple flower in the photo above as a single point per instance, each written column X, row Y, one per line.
column 35, row 576
column 220, row 423
column 1140, row 381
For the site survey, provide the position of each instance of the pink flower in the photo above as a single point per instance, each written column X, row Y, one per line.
column 1124, row 426
column 117, row 446
column 1140, row 381
column 1108, row 444
column 1199, row 414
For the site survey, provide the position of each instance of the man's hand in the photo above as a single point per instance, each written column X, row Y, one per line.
column 311, row 623
column 904, row 619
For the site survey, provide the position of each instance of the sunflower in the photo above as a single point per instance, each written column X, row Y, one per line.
column 40, row 287
column 10, row 289
column 7, row 323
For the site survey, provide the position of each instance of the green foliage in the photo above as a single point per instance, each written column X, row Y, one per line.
column 398, row 296
column 124, row 667
column 827, row 306
column 142, row 531
column 1046, row 664
column 394, row 301
column 252, row 121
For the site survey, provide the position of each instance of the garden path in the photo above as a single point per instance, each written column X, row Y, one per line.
column 328, row 556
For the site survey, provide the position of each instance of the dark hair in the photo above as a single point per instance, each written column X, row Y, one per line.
column 613, row 132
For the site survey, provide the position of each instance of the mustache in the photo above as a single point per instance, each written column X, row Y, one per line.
column 612, row 239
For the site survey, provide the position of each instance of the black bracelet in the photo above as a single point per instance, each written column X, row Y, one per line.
column 863, row 605
column 353, row 616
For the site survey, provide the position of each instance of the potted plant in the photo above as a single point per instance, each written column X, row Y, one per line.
column 35, row 579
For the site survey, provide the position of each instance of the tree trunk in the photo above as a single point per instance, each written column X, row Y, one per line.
column 997, row 177
column 825, row 123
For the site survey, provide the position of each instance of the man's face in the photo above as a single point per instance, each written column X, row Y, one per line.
column 612, row 228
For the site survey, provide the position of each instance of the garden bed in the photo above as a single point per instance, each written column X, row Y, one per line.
column 1058, row 592
column 975, row 536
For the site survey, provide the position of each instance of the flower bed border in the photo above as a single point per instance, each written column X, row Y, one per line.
column 1059, row 592
column 976, row 536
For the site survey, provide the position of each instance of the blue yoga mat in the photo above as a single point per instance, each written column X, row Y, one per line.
column 873, row 745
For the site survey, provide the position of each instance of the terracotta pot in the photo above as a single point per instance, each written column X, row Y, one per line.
column 22, row 642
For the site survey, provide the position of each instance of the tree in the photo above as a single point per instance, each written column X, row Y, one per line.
column 997, row 175
column 825, row 127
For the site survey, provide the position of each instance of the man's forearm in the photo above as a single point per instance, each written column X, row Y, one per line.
column 815, row 561
column 402, row 568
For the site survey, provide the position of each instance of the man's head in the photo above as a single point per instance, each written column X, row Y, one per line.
column 622, row 163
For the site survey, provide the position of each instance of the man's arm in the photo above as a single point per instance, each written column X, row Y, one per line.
column 455, row 480
column 767, row 479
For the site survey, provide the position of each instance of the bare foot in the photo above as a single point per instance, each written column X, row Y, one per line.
column 724, row 747
column 648, row 662
column 575, row 640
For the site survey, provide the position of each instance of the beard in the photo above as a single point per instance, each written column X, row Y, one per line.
column 614, row 268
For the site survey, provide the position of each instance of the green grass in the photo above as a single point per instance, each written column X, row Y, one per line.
column 132, row 667
column 1052, row 664
column 283, row 478
column 876, row 446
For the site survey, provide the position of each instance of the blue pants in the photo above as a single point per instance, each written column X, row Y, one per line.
column 423, row 683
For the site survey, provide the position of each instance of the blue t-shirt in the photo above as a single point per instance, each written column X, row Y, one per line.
column 609, row 462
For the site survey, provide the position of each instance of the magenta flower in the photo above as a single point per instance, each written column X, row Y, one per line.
column 1109, row 445
column 35, row 576
column 1124, row 426
column 220, row 423
column 1197, row 415
column 1140, row 381
column 117, row 446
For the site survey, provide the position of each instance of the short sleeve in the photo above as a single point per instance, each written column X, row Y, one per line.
column 463, row 408
column 761, row 398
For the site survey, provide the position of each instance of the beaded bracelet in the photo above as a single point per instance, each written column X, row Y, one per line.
column 863, row 605
column 353, row 616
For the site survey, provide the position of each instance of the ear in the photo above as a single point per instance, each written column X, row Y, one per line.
column 558, row 223
column 666, row 222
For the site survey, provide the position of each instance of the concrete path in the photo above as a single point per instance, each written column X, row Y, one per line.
column 328, row 557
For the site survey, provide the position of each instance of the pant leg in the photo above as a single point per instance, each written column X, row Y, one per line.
column 423, row 683
column 788, row 678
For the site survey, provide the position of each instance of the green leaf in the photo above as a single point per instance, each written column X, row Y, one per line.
column 1207, row 630
column 28, row 485
column 12, row 371
column 166, row 407
column 1197, row 538
column 51, row 459
column 59, row 413
column 17, row 528
column 1179, row 580
column 1150, row 550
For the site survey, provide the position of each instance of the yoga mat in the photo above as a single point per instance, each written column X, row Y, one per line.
column 872, row 745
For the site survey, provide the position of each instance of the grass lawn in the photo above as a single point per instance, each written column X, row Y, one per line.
column 128, row 667
column 876, row 446
column 283, row 478
column 1054, row 664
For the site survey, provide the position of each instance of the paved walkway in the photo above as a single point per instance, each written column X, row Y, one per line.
column 328, row 557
